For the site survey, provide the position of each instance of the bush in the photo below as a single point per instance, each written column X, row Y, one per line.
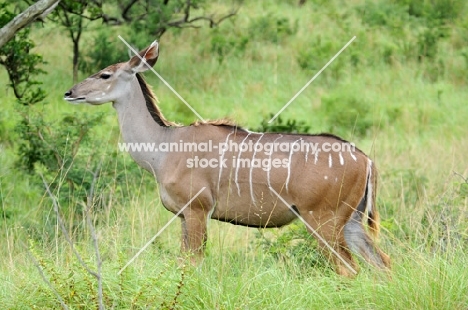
column 68, row 156
column 344, row 114
column 292, row 244
column 103, row 52
column 271, row 28
column 290, row 126
column 318, row 53
column 440, row 11
column 383, row 14
column 224, row 43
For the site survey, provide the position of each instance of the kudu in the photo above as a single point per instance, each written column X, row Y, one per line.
column 333, row 192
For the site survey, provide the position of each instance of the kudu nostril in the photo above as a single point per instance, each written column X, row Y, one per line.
column 68, row 93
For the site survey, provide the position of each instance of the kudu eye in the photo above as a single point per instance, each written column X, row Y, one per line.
column 105, row 76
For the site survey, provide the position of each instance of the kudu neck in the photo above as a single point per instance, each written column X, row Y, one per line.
column 138, row 122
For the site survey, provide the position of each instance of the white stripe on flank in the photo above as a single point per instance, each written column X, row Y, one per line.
column 236, row 162
column 220, row 163
column 251, row 168
column 330, row 162
column 289, row 163
column 341, row 159
column 352, row 155
column 268, row 171
column 369, row 189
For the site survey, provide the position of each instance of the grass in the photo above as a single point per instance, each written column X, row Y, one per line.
column 415, row 131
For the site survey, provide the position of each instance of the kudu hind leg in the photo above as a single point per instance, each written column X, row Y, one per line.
column 333, row 245
column 361, row 244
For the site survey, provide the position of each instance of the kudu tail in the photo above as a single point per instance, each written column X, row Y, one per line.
column 373, row 218
column 355, row 235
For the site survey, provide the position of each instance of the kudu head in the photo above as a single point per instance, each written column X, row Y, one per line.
column 112, row 82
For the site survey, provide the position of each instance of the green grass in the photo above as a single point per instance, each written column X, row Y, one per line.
column 410, row 118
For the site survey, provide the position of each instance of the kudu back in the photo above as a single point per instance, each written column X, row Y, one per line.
column 332, row 189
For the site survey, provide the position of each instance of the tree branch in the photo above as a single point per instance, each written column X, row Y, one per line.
column 67, row 10
column 185, row 22
column 110, row 20
column 126, row 10
column 39, row 9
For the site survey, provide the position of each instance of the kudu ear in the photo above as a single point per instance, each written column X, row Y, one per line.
column 148, row 55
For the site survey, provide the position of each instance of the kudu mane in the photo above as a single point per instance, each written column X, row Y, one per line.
column 153, row 108
column 159, row 118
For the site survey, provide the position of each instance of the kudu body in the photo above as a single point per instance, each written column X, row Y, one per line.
column 332, row 191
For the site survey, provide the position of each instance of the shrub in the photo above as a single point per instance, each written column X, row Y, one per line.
column 344, row 114
column 68, row 155
column 383, row 14
column 441, row 11
column 292, row 244
column 318, row 53
column 271, row 28
column 290, row 126
column 103, row 52
column 225, row 43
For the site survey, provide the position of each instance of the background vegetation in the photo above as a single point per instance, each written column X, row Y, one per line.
column 399, row 92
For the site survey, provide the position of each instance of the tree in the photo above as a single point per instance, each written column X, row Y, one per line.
column 73, row 14
column 149, row 17
column 38, row 9
column 155, row 17
column 20, row 64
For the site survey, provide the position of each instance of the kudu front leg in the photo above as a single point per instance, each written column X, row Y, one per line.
column 194, row 234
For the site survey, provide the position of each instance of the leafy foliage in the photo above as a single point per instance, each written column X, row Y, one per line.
column 222, row 44
column 148, row 21
column 272, row 28
column 103, row 51
column 72, row 15
column 438, row 11
column 278, row 125
column 318, row 53
column 77, row 287
column 292, row 244
column 345, row 114
column 419, row 28
column 385, row 13
column 21, row 65
column 65, row 153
